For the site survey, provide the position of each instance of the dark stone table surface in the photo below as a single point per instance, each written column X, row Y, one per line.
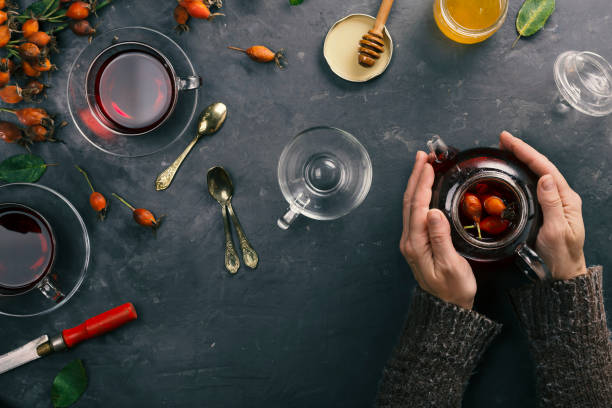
column 315, row 323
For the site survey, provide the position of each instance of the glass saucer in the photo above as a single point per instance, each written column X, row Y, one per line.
column 72, row 247
column 103, row 137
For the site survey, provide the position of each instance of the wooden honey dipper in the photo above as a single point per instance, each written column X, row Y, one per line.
column 372, row 44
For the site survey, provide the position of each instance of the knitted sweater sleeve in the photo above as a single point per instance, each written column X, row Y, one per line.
column 437, row 352
column 569, row 340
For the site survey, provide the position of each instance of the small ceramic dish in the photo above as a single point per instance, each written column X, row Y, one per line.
column 340, row 48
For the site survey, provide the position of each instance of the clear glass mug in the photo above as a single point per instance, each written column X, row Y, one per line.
column 161, row 111
column 584, row 81
column 324, row 173
column 18, row 274
column 470, row 21
column 135, row 91
column 71, row 253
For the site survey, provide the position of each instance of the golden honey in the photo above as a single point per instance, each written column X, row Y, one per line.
column 470, row 21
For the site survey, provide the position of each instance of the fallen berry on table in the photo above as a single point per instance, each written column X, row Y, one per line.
column 196, row 9
column 96, row 200
column 142, row 216
column 260, row 53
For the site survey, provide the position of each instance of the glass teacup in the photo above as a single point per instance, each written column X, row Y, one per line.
column 27, row 252
column 324, row 173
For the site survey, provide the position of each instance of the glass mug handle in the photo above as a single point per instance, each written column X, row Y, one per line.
column 188, row 82
column 293, row 212
column 531, row 264
column 50, row 290
column 286, row 220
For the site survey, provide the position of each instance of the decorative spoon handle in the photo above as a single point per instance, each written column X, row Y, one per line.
column 249, row 256
column 232, row 263
column 165, row 178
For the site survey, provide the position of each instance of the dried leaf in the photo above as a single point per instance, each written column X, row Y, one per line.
column 69, row 384
column 22, row 168
column 532, row 16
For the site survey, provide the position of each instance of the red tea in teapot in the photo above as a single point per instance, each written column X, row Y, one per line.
column 488, row 210
column 26, row 249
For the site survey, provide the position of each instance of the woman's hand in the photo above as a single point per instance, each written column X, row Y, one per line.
column 426, row 243
column 561, row 239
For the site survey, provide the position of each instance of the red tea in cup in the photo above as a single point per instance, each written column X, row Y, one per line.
column 131, row 88
column 27, row 249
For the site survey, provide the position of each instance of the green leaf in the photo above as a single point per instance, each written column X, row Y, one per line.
column 69, row 384
column 295, row 2
column 39, row 7
column 532, row 16
column 22, row 168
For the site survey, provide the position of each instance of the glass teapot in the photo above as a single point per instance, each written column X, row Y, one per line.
column 476, row 171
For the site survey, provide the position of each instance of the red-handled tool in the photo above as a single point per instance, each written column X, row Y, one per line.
column 43, row 346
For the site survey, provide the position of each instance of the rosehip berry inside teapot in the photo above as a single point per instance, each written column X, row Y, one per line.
column 490, row 200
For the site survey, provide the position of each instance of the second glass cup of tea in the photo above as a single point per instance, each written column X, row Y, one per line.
column 324, row 173
column 27, row 252
column 470, row 21
column 44, row 248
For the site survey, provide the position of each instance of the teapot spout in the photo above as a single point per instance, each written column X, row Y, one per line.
column 438, row 150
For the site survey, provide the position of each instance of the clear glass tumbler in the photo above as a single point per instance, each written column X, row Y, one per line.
column 324, row 173
column 584, row 80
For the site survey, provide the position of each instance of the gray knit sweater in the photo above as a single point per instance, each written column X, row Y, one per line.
column 569, row 340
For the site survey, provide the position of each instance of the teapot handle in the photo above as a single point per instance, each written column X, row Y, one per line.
column 439, row 151
column 531, row 264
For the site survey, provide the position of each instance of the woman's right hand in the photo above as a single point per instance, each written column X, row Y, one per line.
column 560, row 240
column 427, row 245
